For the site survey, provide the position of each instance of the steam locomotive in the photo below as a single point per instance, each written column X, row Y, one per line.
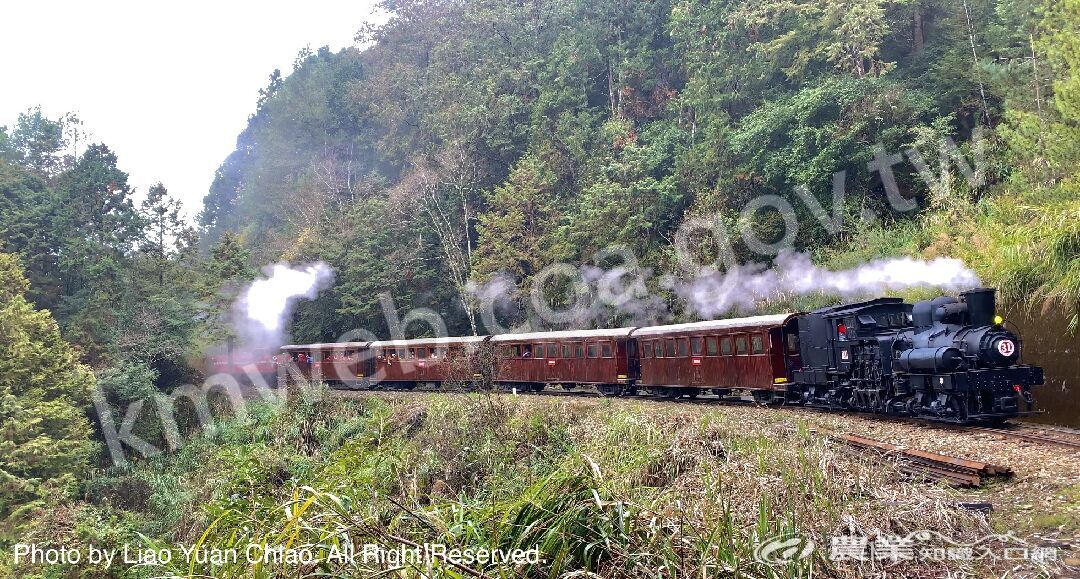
column 948, row 359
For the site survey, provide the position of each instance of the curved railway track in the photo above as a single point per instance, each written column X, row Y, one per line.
column 1028, row 432
column 1036, row 433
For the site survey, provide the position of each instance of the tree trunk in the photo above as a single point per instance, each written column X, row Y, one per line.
column 918, row 41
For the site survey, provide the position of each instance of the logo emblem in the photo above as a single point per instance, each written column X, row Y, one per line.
column 784, row 549
column 1006, row 347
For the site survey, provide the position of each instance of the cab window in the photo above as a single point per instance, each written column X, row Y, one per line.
column 793, row 344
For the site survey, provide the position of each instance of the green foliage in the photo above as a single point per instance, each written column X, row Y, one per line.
column 513, row 233
column 45, row 445
column 476, row 138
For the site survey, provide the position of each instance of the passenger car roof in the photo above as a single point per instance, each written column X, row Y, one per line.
column 753, row 322
column 564, row 335
column 324, row 346
column 448, row 340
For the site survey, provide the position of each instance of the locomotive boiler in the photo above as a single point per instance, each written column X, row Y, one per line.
column 945, row 359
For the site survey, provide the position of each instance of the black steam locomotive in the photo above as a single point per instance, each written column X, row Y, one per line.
column 944, row 359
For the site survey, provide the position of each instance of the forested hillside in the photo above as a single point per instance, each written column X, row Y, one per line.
column 472, row 138
column 462, row 150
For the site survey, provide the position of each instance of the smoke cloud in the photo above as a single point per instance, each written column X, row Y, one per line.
column 743, row 287
column 262, row 311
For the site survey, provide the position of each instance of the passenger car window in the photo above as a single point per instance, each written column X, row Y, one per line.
column 757, row 344
column 696, row 346
column 566, row 350
column 646, row 349
column 539, row 350
column 552, row 350
column 421, row 353
column 740, row 345
column 579, row 350
column 682, row 342
column 658, row 349
column 605, row 349
column 710, row 346
column 593, row 349
column 725, row 346
column 669, row 351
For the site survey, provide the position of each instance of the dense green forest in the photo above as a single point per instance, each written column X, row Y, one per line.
column 478, row 138
column 466, row 142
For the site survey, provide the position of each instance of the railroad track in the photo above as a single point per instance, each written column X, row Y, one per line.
column 1041, row 434
column 1063, row 437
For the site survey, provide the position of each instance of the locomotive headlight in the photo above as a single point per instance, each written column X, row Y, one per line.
column 998, row 320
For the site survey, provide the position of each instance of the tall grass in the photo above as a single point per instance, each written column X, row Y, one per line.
column 602, row 489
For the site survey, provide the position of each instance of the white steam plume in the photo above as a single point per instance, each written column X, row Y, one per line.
column 744, row 286
column 265, row 305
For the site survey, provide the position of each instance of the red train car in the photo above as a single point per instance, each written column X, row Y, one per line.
column 340, row 363
column 426, row 360
column 756, row 353
column 605, row 358
column 242, row 363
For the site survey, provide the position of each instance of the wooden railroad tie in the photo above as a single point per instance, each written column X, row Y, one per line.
column 954, row 470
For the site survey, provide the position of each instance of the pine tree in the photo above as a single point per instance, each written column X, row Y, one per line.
column 45, row 444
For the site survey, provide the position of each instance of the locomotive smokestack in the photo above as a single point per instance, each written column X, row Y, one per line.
column 981, row 306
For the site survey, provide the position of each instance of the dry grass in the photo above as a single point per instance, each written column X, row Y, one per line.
column 605, row 488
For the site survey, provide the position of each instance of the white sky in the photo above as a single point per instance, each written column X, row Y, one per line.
column 167, row 85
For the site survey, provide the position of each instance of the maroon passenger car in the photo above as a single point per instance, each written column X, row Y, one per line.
column 339, row 363
column 244, row 364
column 426, row 360
column 755, row 353
column 604, row 358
